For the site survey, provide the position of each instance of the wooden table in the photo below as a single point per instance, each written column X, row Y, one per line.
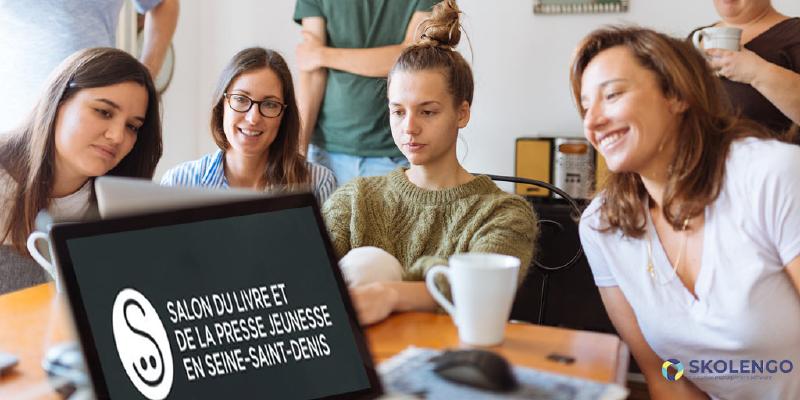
column 25, row 315
column 598, row 356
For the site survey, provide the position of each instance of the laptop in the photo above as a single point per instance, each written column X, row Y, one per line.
column 243, row 298
column 121, row 196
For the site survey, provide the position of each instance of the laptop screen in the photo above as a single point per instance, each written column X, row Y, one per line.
column 241, row 298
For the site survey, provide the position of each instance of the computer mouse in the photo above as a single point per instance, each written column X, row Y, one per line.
column 65, row 368
column 481, row 369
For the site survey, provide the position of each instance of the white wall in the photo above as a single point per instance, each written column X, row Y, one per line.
column 520, row 61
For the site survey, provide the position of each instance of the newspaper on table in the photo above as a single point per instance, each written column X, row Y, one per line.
column 411, row 372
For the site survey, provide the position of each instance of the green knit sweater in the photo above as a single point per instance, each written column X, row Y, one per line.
column 421, row 228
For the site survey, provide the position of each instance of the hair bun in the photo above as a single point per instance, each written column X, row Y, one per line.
column 442, row 28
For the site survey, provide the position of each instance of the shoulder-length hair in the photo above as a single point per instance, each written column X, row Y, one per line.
column 285, row 166
column 28, row 152
column 706, row 129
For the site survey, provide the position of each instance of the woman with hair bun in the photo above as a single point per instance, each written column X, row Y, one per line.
column 435, row 208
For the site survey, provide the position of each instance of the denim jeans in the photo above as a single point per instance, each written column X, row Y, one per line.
column 346, row 167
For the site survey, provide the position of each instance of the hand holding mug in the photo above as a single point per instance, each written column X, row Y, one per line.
column 739, row 66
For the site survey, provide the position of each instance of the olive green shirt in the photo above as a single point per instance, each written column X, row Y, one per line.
column 421, row 228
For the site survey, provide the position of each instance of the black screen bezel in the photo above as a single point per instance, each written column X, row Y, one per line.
column 60, row 234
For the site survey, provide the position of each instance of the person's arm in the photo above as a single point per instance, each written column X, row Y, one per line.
column 337, row 213
column 779, row 85
column 793, row 269
column 624, row 320
column 325, row 185
column 311, row 83
column 376, row 301
column 169, row 178
column 159, row 26
column 512, row 229
column 375, row 62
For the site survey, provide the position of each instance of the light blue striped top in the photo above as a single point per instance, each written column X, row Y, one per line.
column 209, row 171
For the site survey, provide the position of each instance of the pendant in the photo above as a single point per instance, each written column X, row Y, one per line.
column 651, row 270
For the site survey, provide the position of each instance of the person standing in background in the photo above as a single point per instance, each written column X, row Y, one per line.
column 36, row 35
column 347, row 50
column 763, row 78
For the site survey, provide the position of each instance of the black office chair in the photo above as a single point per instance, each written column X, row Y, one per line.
column 18, row 271
column 548, row 228
column 576, row 209
column 582, row 309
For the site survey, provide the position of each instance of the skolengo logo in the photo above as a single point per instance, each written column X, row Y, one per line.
column 676, row 365
column 142, row 344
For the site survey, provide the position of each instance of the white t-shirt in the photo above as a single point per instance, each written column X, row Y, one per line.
column 747, row 311
column 73, row 207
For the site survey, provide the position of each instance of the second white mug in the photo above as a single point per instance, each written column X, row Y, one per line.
column 483, row 286
column 41, row 259
column 727, row 38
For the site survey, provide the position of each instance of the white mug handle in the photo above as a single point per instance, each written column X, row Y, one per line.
column 42, row 260
column 430, row 282
column 696, row 37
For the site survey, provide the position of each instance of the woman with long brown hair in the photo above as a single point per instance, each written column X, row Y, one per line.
column 255, row 124
column 98, row 115
column 694, row 241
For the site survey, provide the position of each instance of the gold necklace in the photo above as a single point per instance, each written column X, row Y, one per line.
column 651, row 268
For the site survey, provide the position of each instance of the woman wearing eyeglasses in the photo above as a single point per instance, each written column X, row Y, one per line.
column 255, row 124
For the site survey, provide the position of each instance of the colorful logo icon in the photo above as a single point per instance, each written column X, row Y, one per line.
column 676, row 365
column 142, row 344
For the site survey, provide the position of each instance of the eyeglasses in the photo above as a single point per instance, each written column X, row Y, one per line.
column 242, row 103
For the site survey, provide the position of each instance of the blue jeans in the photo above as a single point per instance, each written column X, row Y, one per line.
column 346, row 167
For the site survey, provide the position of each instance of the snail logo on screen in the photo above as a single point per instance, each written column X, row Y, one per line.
column 142, row 344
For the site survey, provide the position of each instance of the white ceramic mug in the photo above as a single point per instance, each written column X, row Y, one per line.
column 483, row 286
column 727, row 38
column 49, row 264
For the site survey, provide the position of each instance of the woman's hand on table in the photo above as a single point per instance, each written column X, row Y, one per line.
column 374, row 301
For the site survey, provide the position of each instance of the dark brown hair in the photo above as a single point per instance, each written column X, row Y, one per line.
column 285, row 165
column 705, row 132
column 28, row 152
column 435, row 49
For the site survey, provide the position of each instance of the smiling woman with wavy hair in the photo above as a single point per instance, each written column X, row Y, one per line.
column 694, row 240
column 256, row 127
